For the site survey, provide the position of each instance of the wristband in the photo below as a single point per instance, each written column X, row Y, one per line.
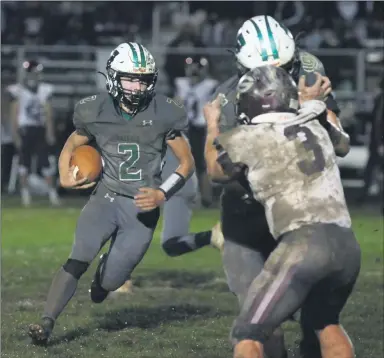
column 172, row 185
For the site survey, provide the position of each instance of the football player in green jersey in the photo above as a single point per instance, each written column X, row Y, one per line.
column 131, row 126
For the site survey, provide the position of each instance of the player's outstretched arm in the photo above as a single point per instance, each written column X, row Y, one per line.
column 67, row 178
column 339, row 138
column 212, row 113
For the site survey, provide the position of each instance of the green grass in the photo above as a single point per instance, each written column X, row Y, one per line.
column 180, row 308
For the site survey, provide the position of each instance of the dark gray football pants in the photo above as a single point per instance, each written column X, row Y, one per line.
column 106, row 215
column 315, row 268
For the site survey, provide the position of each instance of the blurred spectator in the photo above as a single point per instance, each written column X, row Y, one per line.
column 376, row 143
column 195, row 89
column 352, row 30
column 291, row 13
column 174, row 62
column 7, row 147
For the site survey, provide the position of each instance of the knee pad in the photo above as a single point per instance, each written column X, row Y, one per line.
column 75, row 268
column 172, row 247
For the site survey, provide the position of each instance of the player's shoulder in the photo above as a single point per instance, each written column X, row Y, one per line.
column 224, row 139
column 14, row 90
column 170, row 111
column 309, row 63
column 91, row 106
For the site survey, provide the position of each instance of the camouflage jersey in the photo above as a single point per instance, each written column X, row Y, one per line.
column 292, row 168
column 231, row 199
column 132, row 147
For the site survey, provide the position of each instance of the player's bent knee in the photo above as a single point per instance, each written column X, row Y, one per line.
column 170, row 247
column 254, row 332
column 75, row 268
column 111, row 285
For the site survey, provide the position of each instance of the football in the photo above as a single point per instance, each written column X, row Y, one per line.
column 87, row 162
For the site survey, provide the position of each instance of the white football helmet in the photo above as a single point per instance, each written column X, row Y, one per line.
column 264, row 41
column 133, row 61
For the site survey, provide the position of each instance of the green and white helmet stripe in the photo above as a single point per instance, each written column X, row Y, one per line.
column 261, row 41
column 264, row 55
column 139, row 61
column 275, row 53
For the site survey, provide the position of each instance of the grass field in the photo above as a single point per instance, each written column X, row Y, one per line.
column 180, row 307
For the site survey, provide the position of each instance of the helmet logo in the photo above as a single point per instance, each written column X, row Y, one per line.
column 139, row 69
column 245, row 84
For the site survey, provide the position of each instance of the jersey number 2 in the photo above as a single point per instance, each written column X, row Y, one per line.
column 307, row 140
column 125, row 171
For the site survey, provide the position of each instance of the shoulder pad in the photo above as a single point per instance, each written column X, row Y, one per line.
column 87, row 99
column 88, row 107
column 14, row 90
column 310, row 63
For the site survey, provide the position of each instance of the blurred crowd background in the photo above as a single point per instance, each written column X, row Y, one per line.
column 73, row 39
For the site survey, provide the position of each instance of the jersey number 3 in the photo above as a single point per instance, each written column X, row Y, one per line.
column 126, row 173
column 306, row 139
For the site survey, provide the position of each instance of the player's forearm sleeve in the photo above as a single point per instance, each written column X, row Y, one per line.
column 172, row 185
column 339, row 138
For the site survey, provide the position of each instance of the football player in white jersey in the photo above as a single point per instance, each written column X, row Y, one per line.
column 195, row 89
column 262, row 40
column 286, row 160
column 32, row 127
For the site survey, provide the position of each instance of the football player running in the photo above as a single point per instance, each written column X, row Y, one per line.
column 131, row 127
column 262, row 40
column 289, row 161
column 33, row 128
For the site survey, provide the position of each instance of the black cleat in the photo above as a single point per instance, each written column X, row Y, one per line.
column 40, row 333
column 98, row 294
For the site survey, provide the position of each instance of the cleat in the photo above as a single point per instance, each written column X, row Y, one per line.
column 125, row 288
column 40, row 333
column 217, row 238
column 98, row 294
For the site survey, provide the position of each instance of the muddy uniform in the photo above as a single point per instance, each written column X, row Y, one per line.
column 132, row 149
column 244, row 224
column 294, row 175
